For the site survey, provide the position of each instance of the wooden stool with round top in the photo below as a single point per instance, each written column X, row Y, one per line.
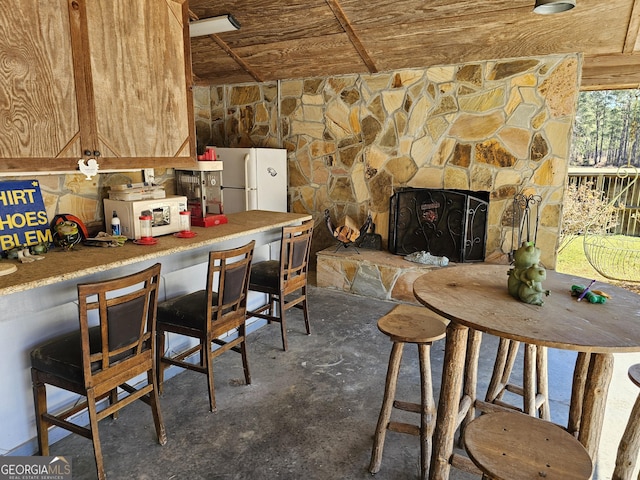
column 515, row 446
column 418, row 325
column 630, row 442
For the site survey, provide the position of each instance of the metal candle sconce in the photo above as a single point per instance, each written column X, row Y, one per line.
column 524, row 222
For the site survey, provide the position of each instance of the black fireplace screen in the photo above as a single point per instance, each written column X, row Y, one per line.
column 450, row 223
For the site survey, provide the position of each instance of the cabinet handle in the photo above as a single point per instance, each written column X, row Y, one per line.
column 87, row 153
column 96, row 153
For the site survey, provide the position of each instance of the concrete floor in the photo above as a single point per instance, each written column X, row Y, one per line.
column 310, row 412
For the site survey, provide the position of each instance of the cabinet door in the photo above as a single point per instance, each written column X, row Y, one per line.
column 105, row 78
column 142, row 100
column 38, row 107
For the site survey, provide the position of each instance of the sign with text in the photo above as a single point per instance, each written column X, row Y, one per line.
column 23, row 218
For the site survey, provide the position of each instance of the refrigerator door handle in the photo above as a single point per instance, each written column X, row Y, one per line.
column 249, row 199
column 246, row 181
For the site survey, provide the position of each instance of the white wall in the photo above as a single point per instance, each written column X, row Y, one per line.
column 31, row 317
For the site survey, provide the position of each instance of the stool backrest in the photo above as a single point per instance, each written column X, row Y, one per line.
column 228, row 282
column 294, row 256
column 124, row 342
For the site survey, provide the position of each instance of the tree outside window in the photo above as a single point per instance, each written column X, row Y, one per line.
column 607, row 129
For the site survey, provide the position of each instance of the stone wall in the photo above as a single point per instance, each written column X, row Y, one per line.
column 369, row 273
column 72, row 193
column 497, row 126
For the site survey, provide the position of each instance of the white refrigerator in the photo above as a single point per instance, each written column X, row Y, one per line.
column 253, row 179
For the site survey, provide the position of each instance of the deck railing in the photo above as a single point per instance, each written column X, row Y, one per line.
column 619, row 185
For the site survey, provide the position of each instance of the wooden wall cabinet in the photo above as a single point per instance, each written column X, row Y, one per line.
column 105, row 79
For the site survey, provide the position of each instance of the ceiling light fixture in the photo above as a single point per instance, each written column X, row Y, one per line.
column 546, row 7
column 209, row 26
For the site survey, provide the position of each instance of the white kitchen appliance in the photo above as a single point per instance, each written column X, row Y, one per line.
column 254, row 179
column 165, row 214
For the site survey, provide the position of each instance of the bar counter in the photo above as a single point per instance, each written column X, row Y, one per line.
column 39, row 301
column 60, row 265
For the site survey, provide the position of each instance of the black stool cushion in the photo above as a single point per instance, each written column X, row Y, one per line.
column 186, row 311
column 266, row 274
column 62, row 356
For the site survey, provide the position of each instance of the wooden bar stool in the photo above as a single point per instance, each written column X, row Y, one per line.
column 284, row 280
column 514, row 446
column 534, row 390
column 105, row 358
column 409, row 324
column 630, row 441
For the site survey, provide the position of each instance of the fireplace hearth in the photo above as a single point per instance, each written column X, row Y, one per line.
column 450, row 223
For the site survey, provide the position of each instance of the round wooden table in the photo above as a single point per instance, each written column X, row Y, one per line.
column 475, row 299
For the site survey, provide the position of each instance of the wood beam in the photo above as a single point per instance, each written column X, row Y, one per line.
column 633, row 30
column 244, row 65
column 229, row 51
column 337, row 10
column 610, row 72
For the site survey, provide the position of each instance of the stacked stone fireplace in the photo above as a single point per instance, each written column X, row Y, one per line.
column 451, row 223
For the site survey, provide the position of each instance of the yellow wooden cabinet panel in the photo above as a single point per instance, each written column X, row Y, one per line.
column 139, row 78
column 38, row 107
column 96, row 78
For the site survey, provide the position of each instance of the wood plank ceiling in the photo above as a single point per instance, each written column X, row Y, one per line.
column 286, row 39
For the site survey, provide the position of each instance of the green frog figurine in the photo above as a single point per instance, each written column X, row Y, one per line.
column 526, row 276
